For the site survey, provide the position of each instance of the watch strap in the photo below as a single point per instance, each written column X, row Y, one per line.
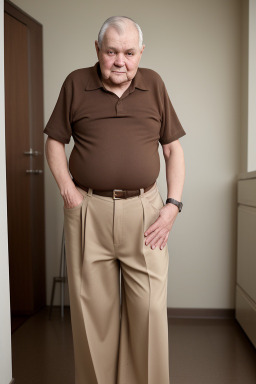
column 178, row 204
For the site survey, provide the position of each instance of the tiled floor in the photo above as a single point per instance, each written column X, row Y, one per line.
column 202, row 351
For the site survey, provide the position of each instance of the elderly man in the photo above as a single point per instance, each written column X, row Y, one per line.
column 116, row 223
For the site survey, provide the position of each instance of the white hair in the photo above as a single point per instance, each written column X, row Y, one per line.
column 118, row 22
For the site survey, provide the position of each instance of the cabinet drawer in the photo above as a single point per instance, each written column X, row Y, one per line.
column 246, row 314
column 246, row 250
column 247, row 192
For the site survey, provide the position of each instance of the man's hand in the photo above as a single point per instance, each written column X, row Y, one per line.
column 72, row 197
column 158, row 232
column 56, row 157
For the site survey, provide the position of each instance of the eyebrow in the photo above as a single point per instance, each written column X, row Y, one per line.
column 129, row 49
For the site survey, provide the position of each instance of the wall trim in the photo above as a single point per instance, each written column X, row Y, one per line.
column 201, row 313
column 189, row 313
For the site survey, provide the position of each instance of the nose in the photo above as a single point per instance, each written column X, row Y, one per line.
column 119, row 61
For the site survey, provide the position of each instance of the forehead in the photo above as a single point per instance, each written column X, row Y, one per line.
column 128, row 38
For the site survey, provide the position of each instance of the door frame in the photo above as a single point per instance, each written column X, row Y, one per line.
column 5, row 319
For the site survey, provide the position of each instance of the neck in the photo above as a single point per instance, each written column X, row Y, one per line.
column 118, row 89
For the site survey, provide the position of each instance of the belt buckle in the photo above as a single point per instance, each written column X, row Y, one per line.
column 114, row 196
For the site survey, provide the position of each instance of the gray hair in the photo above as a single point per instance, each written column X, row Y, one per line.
column 118, row 23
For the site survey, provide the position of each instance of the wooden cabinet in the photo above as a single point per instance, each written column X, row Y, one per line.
column 246, row 255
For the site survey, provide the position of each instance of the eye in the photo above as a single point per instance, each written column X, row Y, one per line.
column 110, row 52
column 130, row 53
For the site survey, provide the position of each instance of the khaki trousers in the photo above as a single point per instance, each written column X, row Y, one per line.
column 120, row 334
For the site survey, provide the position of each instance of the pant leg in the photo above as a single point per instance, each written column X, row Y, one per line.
column 101, row 235
column 144, row 353
column 93, row 279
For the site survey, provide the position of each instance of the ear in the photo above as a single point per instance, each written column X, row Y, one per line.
column 142, row 49
column 97, row 47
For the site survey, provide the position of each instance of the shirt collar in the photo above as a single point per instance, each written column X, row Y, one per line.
column 95, row 82
column 138, row 82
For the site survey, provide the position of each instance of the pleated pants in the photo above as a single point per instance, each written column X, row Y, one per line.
column 117, row 290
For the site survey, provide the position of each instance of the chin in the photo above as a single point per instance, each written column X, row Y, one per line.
column 119, row 79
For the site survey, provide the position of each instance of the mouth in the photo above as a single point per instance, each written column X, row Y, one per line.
column 118, row 72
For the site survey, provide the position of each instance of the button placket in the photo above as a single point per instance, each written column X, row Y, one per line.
column 119, row 107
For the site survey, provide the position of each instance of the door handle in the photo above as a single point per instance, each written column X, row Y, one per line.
column 31, row 152
column 34, row 171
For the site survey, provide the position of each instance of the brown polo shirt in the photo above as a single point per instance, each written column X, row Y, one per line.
column 115, row 139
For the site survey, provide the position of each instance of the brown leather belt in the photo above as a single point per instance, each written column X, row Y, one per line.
column 119, row 193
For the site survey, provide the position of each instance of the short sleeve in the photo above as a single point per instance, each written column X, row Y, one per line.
column 59, row 124
column 171, row 128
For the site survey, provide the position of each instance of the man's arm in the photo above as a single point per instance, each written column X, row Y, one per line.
column 57, row 161
column 175, row 169
column 157, row 234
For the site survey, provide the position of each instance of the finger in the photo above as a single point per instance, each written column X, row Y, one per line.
column 158, row 239
column 152, row 227
column 152, row 235
column 157, row 244
column 165, row 241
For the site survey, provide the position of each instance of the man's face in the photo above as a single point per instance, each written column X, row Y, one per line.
column 119, row 56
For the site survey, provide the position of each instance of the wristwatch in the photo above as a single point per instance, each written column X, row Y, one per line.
column 175, row 202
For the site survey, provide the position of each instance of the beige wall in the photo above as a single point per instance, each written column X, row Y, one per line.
column 251, row 153
column 244, row 85
column 195, row 46
column 248, row 81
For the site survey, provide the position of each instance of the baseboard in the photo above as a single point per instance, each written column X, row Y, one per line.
column 190, row 313
column 201, row 313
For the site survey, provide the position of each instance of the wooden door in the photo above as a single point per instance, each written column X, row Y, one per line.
column 24, row 160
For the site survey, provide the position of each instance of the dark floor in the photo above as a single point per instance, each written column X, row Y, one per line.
column 202, row 351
